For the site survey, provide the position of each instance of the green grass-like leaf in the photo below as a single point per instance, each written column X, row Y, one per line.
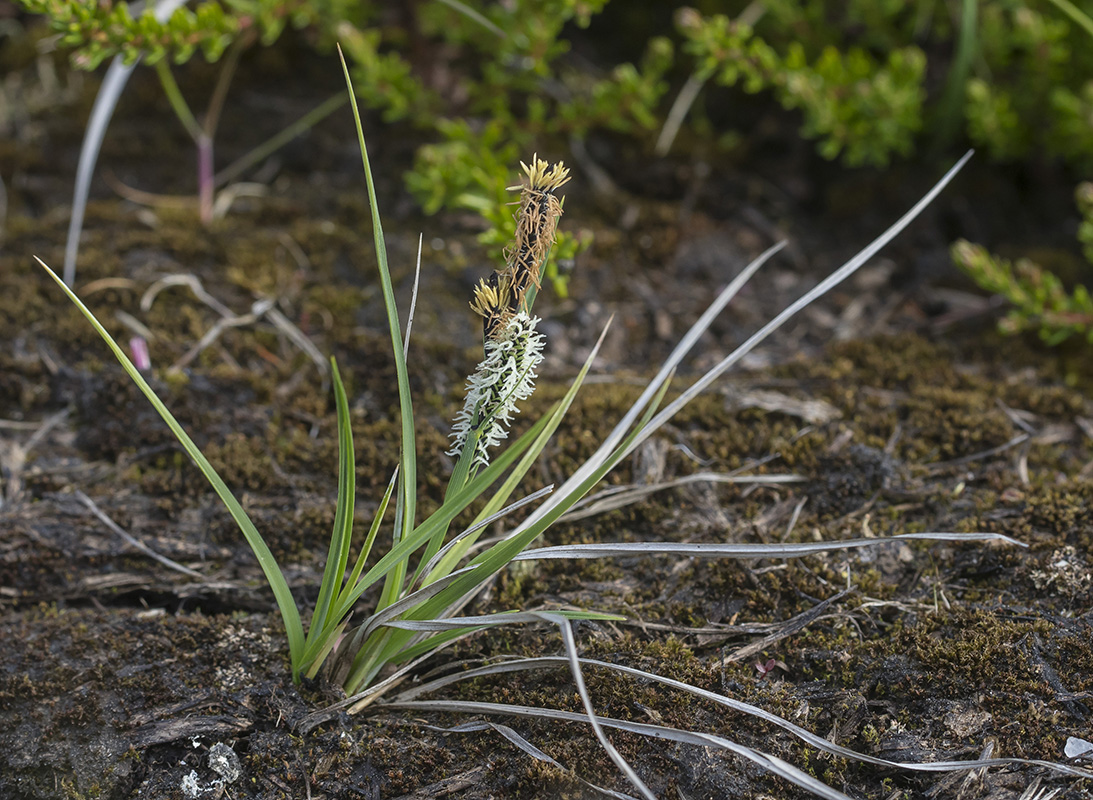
column 285, row 602
column 342, row 535
column 407, row 501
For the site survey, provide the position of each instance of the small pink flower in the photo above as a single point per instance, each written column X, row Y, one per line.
column 139, row 348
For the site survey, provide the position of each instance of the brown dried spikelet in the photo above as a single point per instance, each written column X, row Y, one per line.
column 536, row 225
column 504, row 293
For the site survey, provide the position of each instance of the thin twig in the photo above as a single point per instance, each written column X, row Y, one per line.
column 792, row 626
column 1016, row 440
column 221, row 325
column 183, row 279
column 279, row 140
column 261, row 308
column 672, row 123
column 299, row 338
column 15, row 455
column 148, row 551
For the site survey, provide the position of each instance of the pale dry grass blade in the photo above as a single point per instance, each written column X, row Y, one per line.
column 479, row 620
column 413, row 297
column 771, row 763
column 747, row 550
column 621, row 496
column 809, row 738
column 527, row 747
column 826, row 285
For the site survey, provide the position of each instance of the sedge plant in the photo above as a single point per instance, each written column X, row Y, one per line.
column 426, row 576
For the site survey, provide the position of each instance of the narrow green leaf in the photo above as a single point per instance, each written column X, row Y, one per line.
column 366, row 548
column 442, row 517
column 286, row 604
column 502, row 553
column 341, row 536
column 318, row 648
column 312, row 665
column 408, row 453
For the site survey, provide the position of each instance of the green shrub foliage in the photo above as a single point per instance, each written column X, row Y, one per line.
column 1039, row 299
column 869, row 79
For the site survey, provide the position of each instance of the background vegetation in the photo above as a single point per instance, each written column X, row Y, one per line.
column 868, row 81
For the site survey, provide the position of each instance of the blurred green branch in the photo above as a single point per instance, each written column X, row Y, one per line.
column 1040, row 300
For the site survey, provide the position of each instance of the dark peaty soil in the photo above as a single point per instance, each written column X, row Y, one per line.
column 893, row 399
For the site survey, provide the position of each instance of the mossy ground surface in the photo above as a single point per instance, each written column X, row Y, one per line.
column 119, row 674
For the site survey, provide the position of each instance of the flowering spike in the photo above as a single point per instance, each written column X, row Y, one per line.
column 494, row 302
column 513, row 349
column 503, row 378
